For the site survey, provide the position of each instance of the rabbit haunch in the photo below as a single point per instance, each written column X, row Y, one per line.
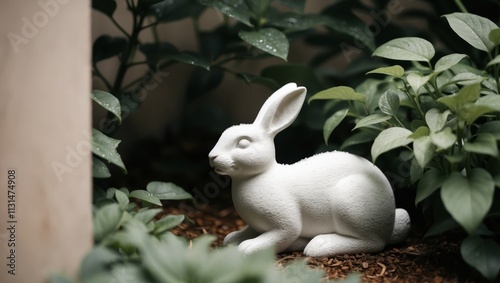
column 330, row 203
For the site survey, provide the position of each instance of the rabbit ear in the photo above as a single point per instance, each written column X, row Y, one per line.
column 281, row 108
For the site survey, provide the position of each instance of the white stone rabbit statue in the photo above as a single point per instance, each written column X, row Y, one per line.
column 330, row 203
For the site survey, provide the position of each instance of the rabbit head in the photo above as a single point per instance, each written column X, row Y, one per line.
column 248, row 149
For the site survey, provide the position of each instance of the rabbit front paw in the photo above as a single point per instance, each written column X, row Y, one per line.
column 251, row 246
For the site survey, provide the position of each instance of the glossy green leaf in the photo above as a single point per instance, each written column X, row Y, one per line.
column 395, row 71
column 145, row 196
column 389, row 139
column 167, row 191
column 448, row 61
column 469, row 113
column 482, row 254
column 424, row 150
column 269, row 40
column 106, row 220
column 421, row 131
column 108, row 102
column 495, row 61
column 466, row 78
column 436, row 120
column 406, row 49
column 166, row 223
column 191, row 59
column 372, row 120
column 107, row 7
column 389, row 102
column 416, row 81
column 444, row 139
column 494, row 36
column 468, row 198
column 428, row 184
column 474, row 29
column 332, row 122
column 236, row 9
column 492, row 128
column 492, row 101
column 338, row 92
column 484, row 144
column 105, row 147
column 99, row 169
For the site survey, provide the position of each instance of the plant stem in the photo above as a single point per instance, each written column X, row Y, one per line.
column 461, row 6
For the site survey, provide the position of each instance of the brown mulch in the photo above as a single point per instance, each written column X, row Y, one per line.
column 416, row 260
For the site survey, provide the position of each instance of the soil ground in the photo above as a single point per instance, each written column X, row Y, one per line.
column 433, row 260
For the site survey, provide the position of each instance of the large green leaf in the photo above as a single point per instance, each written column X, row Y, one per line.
column 494, row 36
column 269, row 40
column 483, row 255
column 492, row 127
column 145, row 215
column 358, row 138
column 108, row 102
column 469, row 113
column 448, row 61
column 389, row 102
column 106, row 220
column 166, row 223
column 484, row 144
column 167, row 191
column 389, row 139
column 105, row 147
column 428, row 184
column 338, row 92
column 372, row 120
column 494, row 61
column 474, row 29
column 406, row 49
column 332, row 122
column 468, row 198
column 233, row 8
column 395, row 71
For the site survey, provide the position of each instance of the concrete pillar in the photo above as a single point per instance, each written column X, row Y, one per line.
column 45, row 108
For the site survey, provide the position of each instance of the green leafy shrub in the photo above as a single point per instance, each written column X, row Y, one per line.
column 445, row 114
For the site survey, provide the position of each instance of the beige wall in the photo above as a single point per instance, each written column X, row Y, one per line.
column 44, row 127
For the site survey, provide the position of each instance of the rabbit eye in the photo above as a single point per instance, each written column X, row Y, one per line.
column 243, row 143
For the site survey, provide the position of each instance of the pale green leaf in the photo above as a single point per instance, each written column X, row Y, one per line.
column 494, row 36
column 421, row 131
column 444, row 139
column 474, row 29
column 395, row 71
column 424, row 150
column 492, row 101
column 166, row 223
column 99, row 169
column 105, row 147
column 468, row 198
column 482, row 254
column 466, row 95
column 122, row 199
column 406, row 49
column 145, row 215
column 466, row 78
column 469, row 113
column 269, row 40
column 106, row 220
column 389, row 139
column 167, row 191
column 484, row 144
column 492, row 127
column 108, row 102
column 145, row 196
column 332, row 122
column 448, row 61
column 338, row 92
column 372, row 120
column 358, row 138
column 416, row 81
column 495, row 61
column 436, row 120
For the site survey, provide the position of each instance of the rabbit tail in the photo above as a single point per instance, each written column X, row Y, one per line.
column 401, row 226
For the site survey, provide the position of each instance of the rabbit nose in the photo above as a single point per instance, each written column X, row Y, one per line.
column 212, row 158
